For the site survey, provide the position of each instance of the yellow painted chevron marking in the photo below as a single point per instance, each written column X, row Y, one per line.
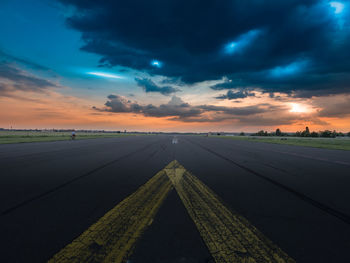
column 112, row 238
column 228, row 236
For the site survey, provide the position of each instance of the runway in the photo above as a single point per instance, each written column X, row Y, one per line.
column 50, row 193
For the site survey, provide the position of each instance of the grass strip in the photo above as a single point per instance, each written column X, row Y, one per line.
column 327, row 143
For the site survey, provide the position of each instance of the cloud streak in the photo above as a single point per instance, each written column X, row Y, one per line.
column 12, row 78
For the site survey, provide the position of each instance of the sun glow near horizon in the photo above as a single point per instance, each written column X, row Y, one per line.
column 299, row 108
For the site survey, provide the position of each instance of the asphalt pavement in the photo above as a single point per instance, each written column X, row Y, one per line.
column 51, row 192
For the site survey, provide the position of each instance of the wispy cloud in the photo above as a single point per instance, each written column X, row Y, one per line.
column 12, row 78
column 149, row 86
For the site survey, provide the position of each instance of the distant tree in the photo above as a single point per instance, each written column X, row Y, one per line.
column 242, row 134
column 327, row 134
column 278, row 132
column 260, row 133
column 314, row 134
column 298, row 134
column 349, row 134
column 334, row 134
column 306, row 133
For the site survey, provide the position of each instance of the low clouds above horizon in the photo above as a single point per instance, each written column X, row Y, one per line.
column 177, row 109
column 278, row 46
column 252, row 115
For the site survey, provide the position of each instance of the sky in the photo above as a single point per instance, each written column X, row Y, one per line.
column 185, row 66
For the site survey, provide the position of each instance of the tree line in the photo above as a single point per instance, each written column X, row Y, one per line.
column 304, row 133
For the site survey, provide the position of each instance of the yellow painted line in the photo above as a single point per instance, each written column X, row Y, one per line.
column 113, row 237
column 228, row 236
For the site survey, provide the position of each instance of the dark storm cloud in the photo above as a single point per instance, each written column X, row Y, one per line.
column 149, row 86
column 228, row 84
column 240, row 94
column 276, row 45
column 13, row 78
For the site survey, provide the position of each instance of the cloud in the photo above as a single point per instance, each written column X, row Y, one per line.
column 240, row 94
column 251, row 42
column 149, row 86
column 236, row 111
column 174, row 108
column 239, row 45
column 292, row 69
column 10, row 58
column 120, row 104
column 177, row 109
column 228, row 84
column 333, row 106
column 13, row 78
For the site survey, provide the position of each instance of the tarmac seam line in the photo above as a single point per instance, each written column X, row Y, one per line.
column 331, row 211
column 54, row 189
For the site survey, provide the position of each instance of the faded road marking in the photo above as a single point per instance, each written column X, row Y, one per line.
column 228, row 236
column 112, row 238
